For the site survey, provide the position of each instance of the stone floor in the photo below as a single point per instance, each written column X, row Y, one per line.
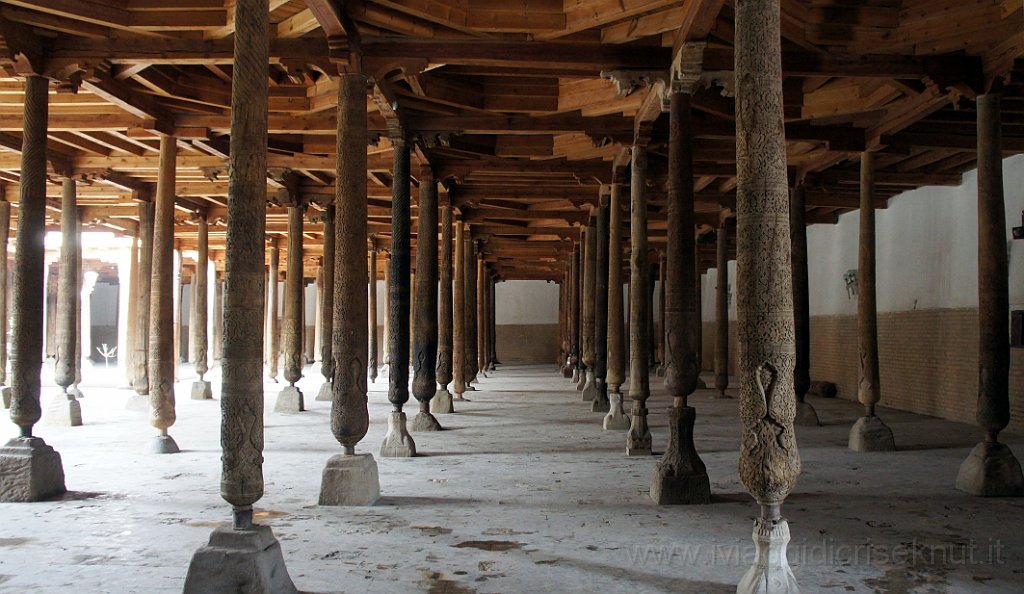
column 522, row 493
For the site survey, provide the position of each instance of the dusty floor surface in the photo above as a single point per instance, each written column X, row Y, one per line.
column 522, row 493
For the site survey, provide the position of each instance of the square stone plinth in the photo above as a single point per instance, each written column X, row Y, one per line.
column 350, row 480
column 239, row 561
column 289, row 401
column 201, row 390
column 30, row 470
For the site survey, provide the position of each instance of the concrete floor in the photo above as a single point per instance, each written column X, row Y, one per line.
column 523, row 493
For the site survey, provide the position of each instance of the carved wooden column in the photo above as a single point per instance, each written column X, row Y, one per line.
column 680, row 476
column 722, row 311
column 652, row 334
column 32, row 470
column 601, row 307
column 991, row 470
column 371, row 329
column 616, row 417
column 200, row 306
column 458, row 314
column 580, row 303
column 442, row 402
column 350, row 478
column 492, row 317
column 869, row 433
column 769, row 463
column 5, row 233
column 397, row 442
column 424, row 359
column 162, row 318
column 805, row 413
column 470, row 312
column 273, row 324
column 64, row 409
column 326, row 393
column 638, row 440
column 244, row 553
column 660, row 346
column 588, row 386
column 290, row 399
column 386, row 330
column 145, row 278
column 574, row 314
column 563, row 341
column 483, row 326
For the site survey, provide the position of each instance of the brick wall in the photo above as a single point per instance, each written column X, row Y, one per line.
column 928, row 361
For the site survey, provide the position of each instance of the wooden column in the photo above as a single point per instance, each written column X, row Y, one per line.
column 327, row 305
column 145, row 285
column 458, row 314
column 470, row 312
column 291, row 399
column 722, row 311
column 67, row 410
column 5, row 233
column 589, row 285
column 805, row 413
column 386, row 334
column 769, row 462
column 869, row 433
column 991, row 470
column 601, row 306
column 161, row 312
column 372, row 320
column 483, row 326
column 445, row 344
column 424, row 350
column 574, row 313
column 660, row 346
column 493, row 317
column 273, row 323
column 680, row 476
column 616, row 417
column 638, row 440
column 580, row 377
column 201, row 389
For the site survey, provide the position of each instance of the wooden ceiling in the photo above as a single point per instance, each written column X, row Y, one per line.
column 524, row 109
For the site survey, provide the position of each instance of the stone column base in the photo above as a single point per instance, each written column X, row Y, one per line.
column 770, row 573
column 163, row 444
column 76, row 391
column 806, row 416
column 239, row 561
column 326, row 393
column 201, row 390
column 681, row 478
column 137, row 403
column 581, row 383
column 870, row 434
column 441, row 403
column 5, row 395
column 424, row 421
column 64, row 411
column 991, row 470
column 616, row 417
column 638, row 440
column 350, row 480
column 289, row 401
column 397, row 442
column 30, row 470
column 575, row 377
column 590, row 388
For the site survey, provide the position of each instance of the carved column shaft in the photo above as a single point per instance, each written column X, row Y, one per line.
column 67, row 289
column 244, row 276
column 601, row 295
column 445, row 318
column 459, row 307
column 661, row 326
column 680, row 277
column 616, row 353
column 349, row 417
column 293, row 298
column 492, row 316
column 327, row 294
column 993, row 275
column 769, row 462
column 398, row 289
column 574, row 305
column 5, row 231
column 371, row 327
column 483, row 326
column 162, row 287
column 589, row 285
column 470, row 311
column 868, row 390
column 638, row 440
column 200, row 305
column 273, row 323
column 801, row 291
column 425, row 341
column 722, row 311
column 145, row 279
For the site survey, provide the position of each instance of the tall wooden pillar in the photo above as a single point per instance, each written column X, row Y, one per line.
column 869, row 433
column 470, row 312
column 805, row 414
column 145, row 280
column 424, row 360
column 574, row 313
column 65, row 409
column 588, row 386
column 201, row 389
column 601, row 306
column 722, row 311
column 991, row 470
column 372, row 321
column 162, row 316
column 769, row 462
column 458, row 314
column 483, row 326
column 5, row 233
column 327, row 305
column 492, row 316
column 290, row 398
column 442, row 402
column 397, row 442
column 660, row 344
column 638, row 440
column 273, row 323
column 616, row 417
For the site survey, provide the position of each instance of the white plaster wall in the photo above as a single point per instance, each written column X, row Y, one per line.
column 927, row 251
column 526, row 302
